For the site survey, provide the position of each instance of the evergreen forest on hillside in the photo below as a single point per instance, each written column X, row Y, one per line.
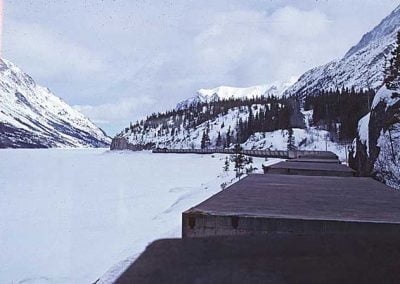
column 339, row 111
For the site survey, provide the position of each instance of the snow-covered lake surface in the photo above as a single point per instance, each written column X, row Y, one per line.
column 73, row 216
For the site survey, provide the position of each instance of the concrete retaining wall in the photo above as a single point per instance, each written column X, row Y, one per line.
column 306, row 172
column 200, row 225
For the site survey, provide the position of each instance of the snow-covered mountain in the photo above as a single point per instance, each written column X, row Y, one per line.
column 361, row 67
column 31, row 116
column 225, row 92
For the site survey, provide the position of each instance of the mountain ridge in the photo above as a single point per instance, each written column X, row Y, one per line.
column 227, row 92
column 360, row 68
column 31, row 116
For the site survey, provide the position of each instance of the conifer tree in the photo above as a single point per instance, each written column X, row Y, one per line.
column 203, row 140
column 249, row 165
column 392, row 80
column 291, row 146
column 228, row 138
column 226, row 164
column 218, row 142
column 239, row 160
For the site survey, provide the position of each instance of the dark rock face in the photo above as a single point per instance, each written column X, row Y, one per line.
column 382, row 118
column 120, row 143
column 11, row 137
column 361, row 163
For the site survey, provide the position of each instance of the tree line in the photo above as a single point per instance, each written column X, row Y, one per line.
column 339, row 111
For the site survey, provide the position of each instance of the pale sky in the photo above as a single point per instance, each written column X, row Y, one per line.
column 120, row 60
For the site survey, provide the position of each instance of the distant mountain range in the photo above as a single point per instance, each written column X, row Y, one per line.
column 361, row 67
column 224, row 92
column 31, row 116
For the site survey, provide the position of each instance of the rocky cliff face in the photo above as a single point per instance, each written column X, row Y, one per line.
column 377, row 147
column 122, row 143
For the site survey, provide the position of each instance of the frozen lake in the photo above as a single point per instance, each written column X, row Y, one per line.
column 71, row 216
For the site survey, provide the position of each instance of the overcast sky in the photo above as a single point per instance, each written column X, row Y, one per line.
column 122, row 59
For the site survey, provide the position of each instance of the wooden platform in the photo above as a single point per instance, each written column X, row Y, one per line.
column 310, row 168
column 262, row 204
column 270, row 259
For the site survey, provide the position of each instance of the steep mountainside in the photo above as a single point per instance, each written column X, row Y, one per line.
column 33, row 117
column 377, row 146
column 361, row 67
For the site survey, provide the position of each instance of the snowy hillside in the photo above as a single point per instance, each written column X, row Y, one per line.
column 225, row 92
column 223, row 130
column 191, row 138
column 361, row 67
column 33, row 117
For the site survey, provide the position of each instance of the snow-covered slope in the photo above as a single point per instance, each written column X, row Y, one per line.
column 361, row 67
column 190, row 138
column 225, row 92
column 31, row 116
